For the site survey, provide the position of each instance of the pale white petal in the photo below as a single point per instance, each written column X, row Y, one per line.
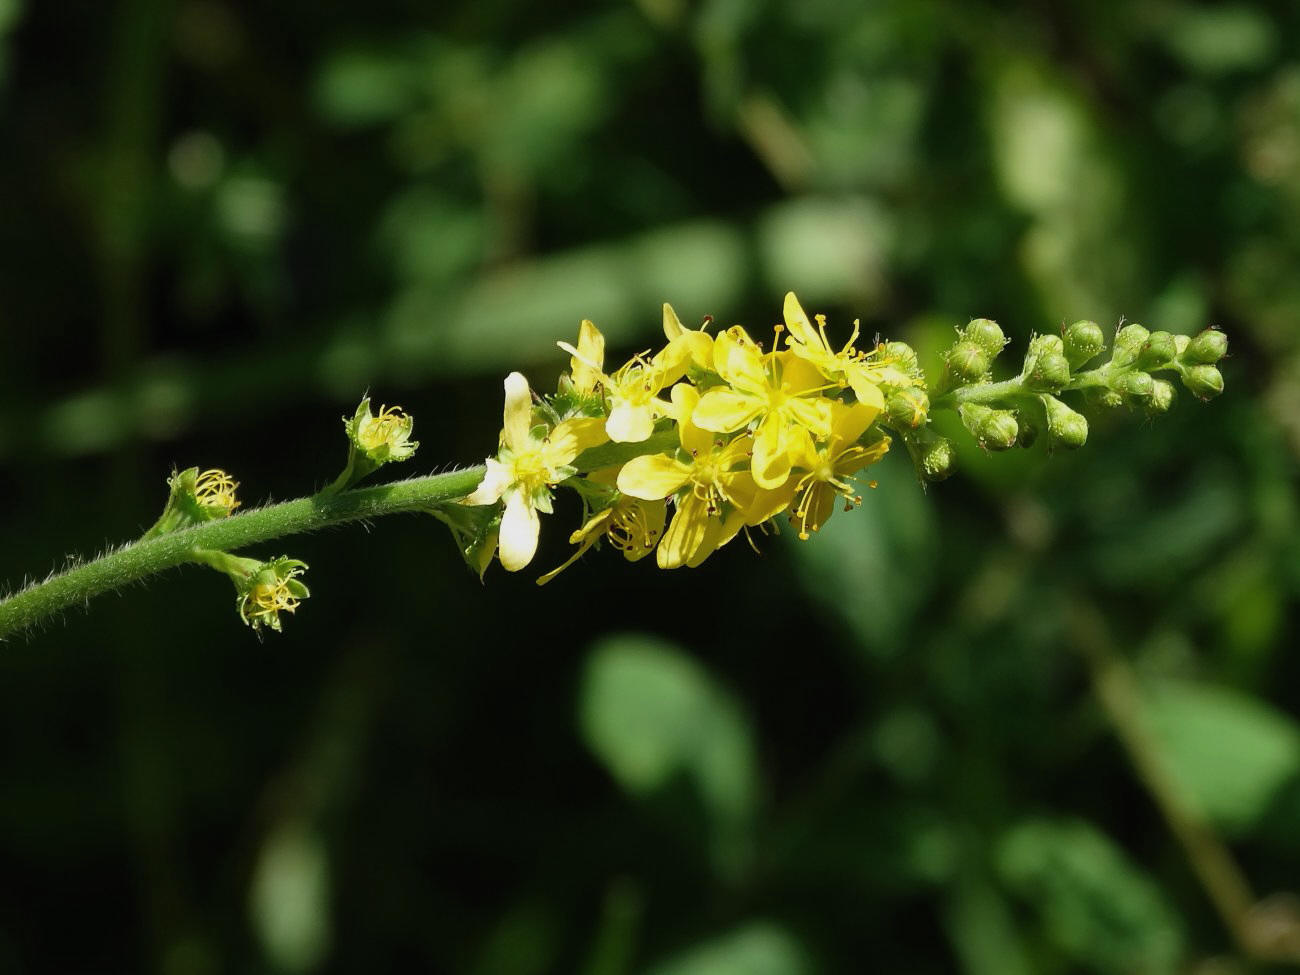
column 520, row 527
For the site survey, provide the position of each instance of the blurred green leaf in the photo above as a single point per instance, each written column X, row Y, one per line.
column 873, row 566
column 1093, row 903
column 760, row 948
column 290, row 898
column 1219, row 38
column 1230, row 752
column 649, row 712
column 982, row 931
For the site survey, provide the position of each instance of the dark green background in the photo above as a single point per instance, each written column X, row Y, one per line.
column 877, row 751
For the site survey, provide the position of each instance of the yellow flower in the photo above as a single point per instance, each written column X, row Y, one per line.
column 631, row 525
column 720, row 497
column 586, row 361
column 778, row 392
column 830, row 468
column 698, row 344
column 633, row 390
column 528, row 464
column 383, row 437
column 214, row 490
column 273, row 588
column 848, row 367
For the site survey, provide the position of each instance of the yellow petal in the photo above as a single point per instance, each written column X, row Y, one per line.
column 629, row 422
column 518, row 412
column 685, row 534
column 588, row 359
column 813, row 413
column 520, row 527
column 728, row 528
column 848, row 423
column 652, row 477
column 738, row 360
column 771, row 461
column 685, row 399
column 670, row 363
column 768, row 504
column 864, row 389
column 798, row 325
column 798, row 374
column 572, row 437
column 656, row 513
column 672, row 324
column 714, row 536
column 725, row 410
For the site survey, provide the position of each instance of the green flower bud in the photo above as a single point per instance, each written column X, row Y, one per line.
column 935, row 458
column 1180, row 345
column 1028, row 435
column 1045, row 344
column 1207, row 348
column 908, row 408
column 994, row 429
column 987, row 334
column 1162, row 396
column 1205, row 382
column 967, row 363
column 1159, row 350
column 1066, row 427
column 1110, row 399
column 901, row 355
column 1128, row 344
column 1136, row 385
column 1049, row 372
column 1083, row 341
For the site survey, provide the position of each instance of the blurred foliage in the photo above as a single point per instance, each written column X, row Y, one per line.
column 876, row 750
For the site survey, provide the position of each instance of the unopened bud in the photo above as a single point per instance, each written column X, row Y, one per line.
column 1206, row 348
column 994, row 429
column 1083, row 341
column 1050, row 372
column 1128, row 344
column 1066, row 427
column 899, row 354
column 1162, row 396
column 937, row 459
column 908, row 408
column 967, row 362
column 1136, row 385
column 1028, row 435
column 987, row 334
column 1204, row 381
column 1159, row 350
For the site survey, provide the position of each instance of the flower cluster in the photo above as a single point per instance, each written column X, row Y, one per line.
column 731, row 434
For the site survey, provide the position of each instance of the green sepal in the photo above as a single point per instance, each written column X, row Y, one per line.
column 475, row 529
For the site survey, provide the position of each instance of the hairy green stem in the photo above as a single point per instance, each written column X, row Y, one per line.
column 149, row 556
column 999, row 392
column 159, row 552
